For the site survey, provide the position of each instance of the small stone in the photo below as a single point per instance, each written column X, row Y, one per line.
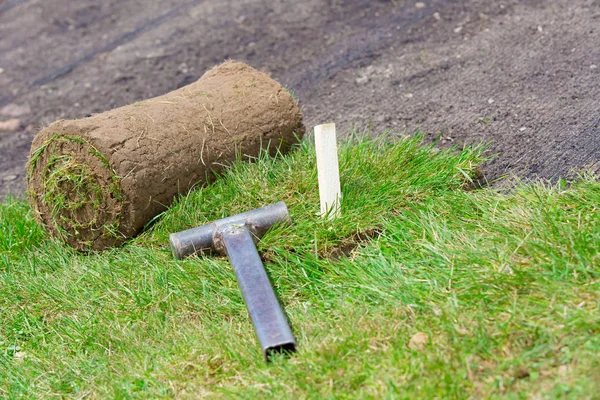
column 362, row 80
column 15, row 110
column 183, row 68
column 540, row 29
column 522, row 129
column 458, row 29
column 1, row 70
column 461, row 330
column 408, row 95
column 563, row 369
column 420, row 4
column 491, row 101
column 10, row 125
column 418, row 341
column 593, row 66
column 19, row 355
column 437, row 16
column 9, row 178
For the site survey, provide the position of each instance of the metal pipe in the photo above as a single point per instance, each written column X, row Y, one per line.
column 268, row 318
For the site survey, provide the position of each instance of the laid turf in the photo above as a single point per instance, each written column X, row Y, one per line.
column 425, row 288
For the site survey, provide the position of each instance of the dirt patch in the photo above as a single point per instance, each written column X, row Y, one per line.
column 521, row 75
column 348, row 245
column 97, row 181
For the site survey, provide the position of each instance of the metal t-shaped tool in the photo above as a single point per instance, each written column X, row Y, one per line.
column 235, row 237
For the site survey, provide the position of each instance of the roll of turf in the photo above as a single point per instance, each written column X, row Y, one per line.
column 96, row 181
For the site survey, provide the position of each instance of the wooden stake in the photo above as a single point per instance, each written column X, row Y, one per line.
column 328, row 170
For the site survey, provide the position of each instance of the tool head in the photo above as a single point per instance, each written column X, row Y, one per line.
column 207, row 237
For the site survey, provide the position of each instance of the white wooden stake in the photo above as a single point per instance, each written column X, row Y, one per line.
column 328, row 170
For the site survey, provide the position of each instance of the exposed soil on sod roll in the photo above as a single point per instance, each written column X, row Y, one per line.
column 97, row 181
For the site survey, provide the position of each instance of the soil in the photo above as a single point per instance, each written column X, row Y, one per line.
column 520, row 75
column 97, row 181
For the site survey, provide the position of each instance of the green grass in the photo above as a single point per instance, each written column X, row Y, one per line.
column 504, row 286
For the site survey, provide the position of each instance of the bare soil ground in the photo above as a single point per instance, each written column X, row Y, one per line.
column 522, row 75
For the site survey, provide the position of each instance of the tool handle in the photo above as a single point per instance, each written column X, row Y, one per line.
column 258, row 221
column 268, row 318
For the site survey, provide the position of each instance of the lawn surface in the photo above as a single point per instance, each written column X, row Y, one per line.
column 424, row 288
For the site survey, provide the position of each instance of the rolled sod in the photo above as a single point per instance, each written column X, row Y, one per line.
column 97, row 181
